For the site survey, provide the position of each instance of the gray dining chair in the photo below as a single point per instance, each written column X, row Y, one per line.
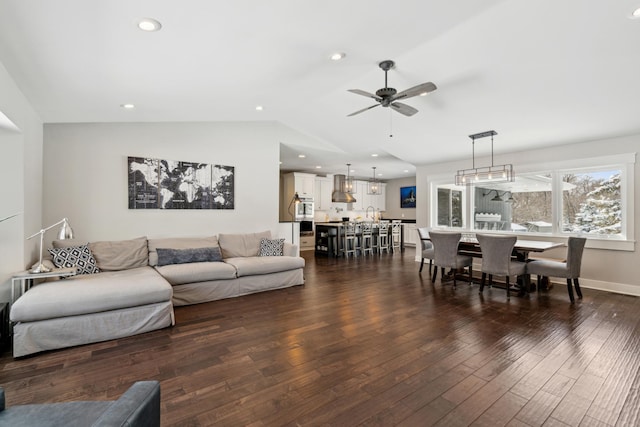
column 497, row 260
column 426, row 247
column 445, row 248
column 570, row 269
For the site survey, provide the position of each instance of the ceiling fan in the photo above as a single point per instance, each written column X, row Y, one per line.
column 388, row 96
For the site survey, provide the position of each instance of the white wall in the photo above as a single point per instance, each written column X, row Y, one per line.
column 392, row 200
column 612, row 270
column 21, row 178
column 85, row 172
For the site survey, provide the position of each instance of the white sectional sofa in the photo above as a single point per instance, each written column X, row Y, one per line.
column 139, row 282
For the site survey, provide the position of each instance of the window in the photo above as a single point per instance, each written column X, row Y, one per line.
column 592, row 202
column 577, row 197
column 449, row 207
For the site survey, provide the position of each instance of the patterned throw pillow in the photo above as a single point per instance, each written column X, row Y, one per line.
column 271, row 247
column 75, row 256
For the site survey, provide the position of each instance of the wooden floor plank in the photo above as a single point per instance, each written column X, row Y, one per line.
column 367, row 341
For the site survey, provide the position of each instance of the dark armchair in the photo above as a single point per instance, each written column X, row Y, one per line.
column 139, row 406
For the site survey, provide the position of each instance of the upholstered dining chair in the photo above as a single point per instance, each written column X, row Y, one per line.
column 445, row 248
column 426, row 247
column 570, row 269
column 496, row 260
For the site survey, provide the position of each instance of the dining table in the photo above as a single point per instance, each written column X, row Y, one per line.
column 469, row 245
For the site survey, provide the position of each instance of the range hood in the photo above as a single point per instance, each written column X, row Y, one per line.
column 339, row 195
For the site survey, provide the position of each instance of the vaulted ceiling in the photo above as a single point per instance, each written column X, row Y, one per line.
column 540, row 73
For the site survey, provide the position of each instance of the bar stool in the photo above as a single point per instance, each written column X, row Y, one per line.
column 383, row 236
column 349, row 239
column 366, row 236
column 396, row 234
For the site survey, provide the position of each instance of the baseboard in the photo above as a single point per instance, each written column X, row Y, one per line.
column 616, row 288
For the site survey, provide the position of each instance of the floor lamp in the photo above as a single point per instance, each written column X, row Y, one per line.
column 65, row 233
column 294, row 201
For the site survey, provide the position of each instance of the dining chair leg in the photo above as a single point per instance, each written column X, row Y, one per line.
column 491, row 280
column 430, row 265
column 484, row 278
column 435, row 274
column 470, row 276
column 422, row 265
column 577, row 286
column 570, row 290
column 508, row 288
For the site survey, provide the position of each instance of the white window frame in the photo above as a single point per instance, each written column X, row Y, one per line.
column 623, row 162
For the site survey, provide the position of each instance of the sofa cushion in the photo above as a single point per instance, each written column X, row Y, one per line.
column 91, row 293
column 179, row 274
column 168, row 256
column 115, row 255
column 178, row 243
column 241, row 245
column 271, row 247
column 79, row 257
column 248, row 266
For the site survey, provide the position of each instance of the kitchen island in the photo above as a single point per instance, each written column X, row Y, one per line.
column 327, row 241
column 328, row 237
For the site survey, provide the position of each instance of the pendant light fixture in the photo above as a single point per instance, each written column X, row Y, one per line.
column 350, row 185
column 493, row 173
column 373, row 187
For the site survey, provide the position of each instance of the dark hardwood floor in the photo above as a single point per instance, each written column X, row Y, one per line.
column 367, row 341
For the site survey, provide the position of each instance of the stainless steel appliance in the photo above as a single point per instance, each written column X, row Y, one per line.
column 304, row 215
column 304, row 210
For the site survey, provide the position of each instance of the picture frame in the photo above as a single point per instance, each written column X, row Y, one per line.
column 408, row 197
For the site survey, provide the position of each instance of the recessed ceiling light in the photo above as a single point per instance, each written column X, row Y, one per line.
column 150, row 25
column 302, row 156
column 636, row 13
column 338, row 56
column 424, row 93
column 318, row 167
column 128, row 106
column 259, row 108
column 406, row 171
column 374, row 155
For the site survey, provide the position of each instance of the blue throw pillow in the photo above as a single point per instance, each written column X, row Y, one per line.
column 185, row 256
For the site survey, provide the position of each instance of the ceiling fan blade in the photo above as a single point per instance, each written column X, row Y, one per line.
column 416, row 90
column 363, row 110
column 405, row 109
column 364, row 93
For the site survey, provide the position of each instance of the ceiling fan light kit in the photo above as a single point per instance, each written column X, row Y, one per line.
column 388, row 96
column 493, row 173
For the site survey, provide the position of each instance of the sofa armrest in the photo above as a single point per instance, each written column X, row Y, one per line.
column 139, row 406
column 289, row 249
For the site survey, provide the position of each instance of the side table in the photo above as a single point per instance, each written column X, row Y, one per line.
column 25, row 279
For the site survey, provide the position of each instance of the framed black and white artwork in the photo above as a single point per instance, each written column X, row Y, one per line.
column 170, row 184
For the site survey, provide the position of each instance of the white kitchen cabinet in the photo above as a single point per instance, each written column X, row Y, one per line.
column 410, row 234
column 304, row 184
column 322, row 193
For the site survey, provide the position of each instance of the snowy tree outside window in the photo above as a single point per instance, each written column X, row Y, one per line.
column 594, row 205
